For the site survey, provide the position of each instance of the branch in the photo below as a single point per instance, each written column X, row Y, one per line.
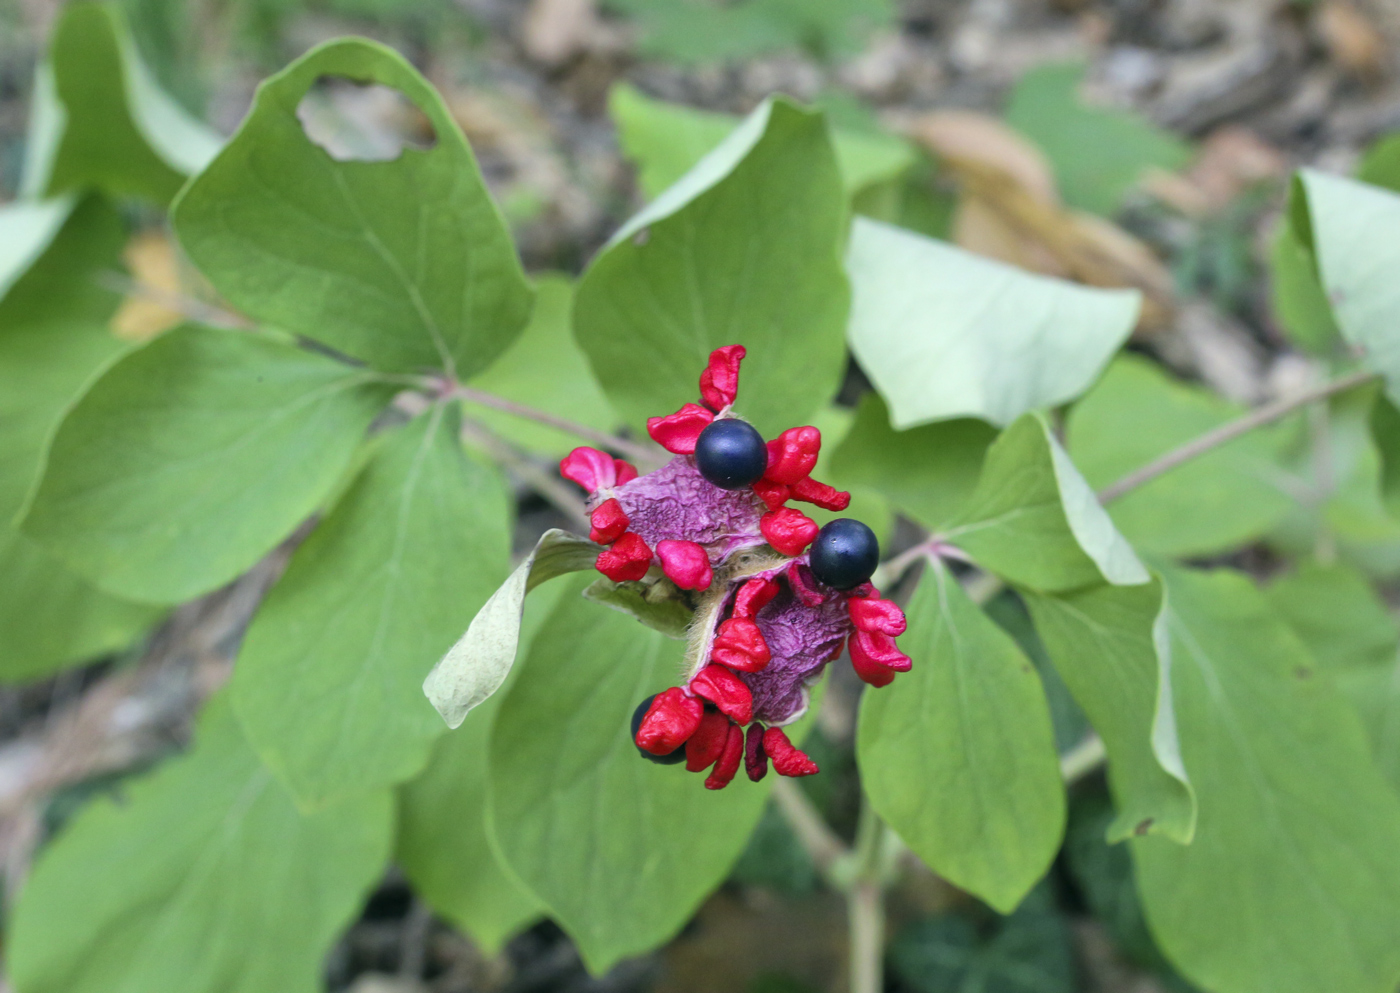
column 1211, row 440
column 1082, row 759
column 826, row 850
column 553, row 490
column 642, row 453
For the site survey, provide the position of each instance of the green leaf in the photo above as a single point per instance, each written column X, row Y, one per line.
column 327, row 683
column 194, row 456
column 1291, row 884
column 210, row 881
column 1109, row 645
column 944, row 333
column 29, row 228
column 620, row 850
column 1351, row 633
column 927, row 472
column 545, row 370
column 443, row 844
column 1218, row 502
column 1380, row 166
column 405, row 264
column 1355, row 233
column 958, row 755
column 1299, row 302
column 102, row 122
column 1034, row 521
column 1385, row 435
column 657, row 605
column 743, row 249
column 479, row 662
column 1098, row 153
column 666, row 139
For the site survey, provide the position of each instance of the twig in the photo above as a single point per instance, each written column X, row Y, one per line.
column 180, row 303
column 641, row 453
column 553, row 490
column 826, row 850
column 1197, row 447
column 865, row 904
column 1082, row 759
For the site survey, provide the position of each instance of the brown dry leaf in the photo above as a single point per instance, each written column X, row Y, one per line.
column 150, row 257
column 554, row 31
column 1231, row 160
column 1352, row 40
column 1008, row 209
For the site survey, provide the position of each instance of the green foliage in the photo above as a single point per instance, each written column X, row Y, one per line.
column 203, row 877
column 1380, row 166
column 194, row 456
column 1098, row 154
column 327, row 683
column 1226, row 498
column 619, row 849
column 1034, row 521
column 1293, row 857
column 100, row 121
column 743, row 249
column 933, row 326
column 1299, row 302
column 958, row 755
column 350, row 253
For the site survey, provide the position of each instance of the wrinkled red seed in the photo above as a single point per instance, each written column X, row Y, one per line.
column 808, row 490
column 626, row 471
column 793, row 455
column 788, row 759
column 788, row 531
column 881, row 649
column 678, row 432
column 719, row 383
column 753, row 596
column 685, row 563
column 771, row 493
column 755, row 758
column 703, row 748
column 672, row 718
column 872, row 673
column 739, row 644
column 590, row 468
column 729, row 759
column 629, row 558
column 609, row 522
column 877, row 616
column 726, row 691
column 804, row 584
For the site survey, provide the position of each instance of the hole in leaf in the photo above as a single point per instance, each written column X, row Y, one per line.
column 362, row 122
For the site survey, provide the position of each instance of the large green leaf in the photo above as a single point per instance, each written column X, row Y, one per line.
column 100, row 121
column 194, row 456
column 1226, row 498
column 1109, row 646
column 619, row 849
column 1354, row 229
column 29, row 228
column 944, row 333
column 742, row 249
column 327, row 683
column 1034, row 521
column 1354, row 637
column 666, row 139
column 958, row 755
column 1380, row 166
column 405, row 264
column 1291, row 884
column 443, row 844
column 1300, row 304
column 202, row 878
column 545, row 370
column 928, row 472
column 1098, row 153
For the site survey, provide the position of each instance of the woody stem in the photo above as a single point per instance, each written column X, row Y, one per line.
column 631, row 449
column 865, row 904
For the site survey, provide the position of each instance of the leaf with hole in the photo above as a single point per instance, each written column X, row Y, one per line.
column 958, row 754
column 406, row 264
column 935, row 326
column 742, row 249
column 327, row 682
column 211, row 881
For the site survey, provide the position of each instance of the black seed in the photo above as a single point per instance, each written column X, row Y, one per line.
column 731, row 453
column 677, row 756
column 845, row 554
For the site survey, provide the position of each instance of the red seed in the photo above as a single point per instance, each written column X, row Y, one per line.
column 626, row 471
column 788, row 759
column 685, row 563
column 728, row 763
column 670, row 720
column 877, row 616
column 739, row 644
column 719, row 383
column 753, row 596
column 876, row 658
column 793, row 455
column 726, row 691
column 704, row 747
column 771, row 493
column 609, row 522
column 808, row 490
column 678, row 432
column 787, row 530
column 803, row 583
column 629, row 558
column 590, row 468
column 755, row 758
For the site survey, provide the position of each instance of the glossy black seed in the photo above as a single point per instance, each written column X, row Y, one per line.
column 731, row 454
column 677, row 756
column 845, row 554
